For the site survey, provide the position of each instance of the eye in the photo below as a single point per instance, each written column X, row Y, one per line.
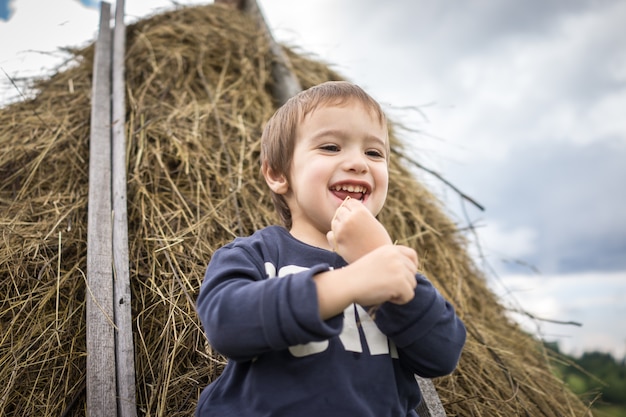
column 374, row 153
column 330, row 147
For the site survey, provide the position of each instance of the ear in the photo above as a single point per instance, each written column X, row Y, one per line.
column 277, row 182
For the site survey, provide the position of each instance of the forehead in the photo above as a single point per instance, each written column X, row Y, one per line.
column 311, row 106
column 350, row 118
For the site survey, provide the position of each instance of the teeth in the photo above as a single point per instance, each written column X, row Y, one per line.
column 351, row 188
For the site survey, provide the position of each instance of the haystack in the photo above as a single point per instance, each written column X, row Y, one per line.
column 198, row 93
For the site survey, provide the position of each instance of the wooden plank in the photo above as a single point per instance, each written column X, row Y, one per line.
column 431, row 405
column 101, row 381
column 124, row 348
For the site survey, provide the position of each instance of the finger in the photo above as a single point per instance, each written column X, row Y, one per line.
column 332, row 241
column 412, row 281
column 410, row 254
column 410, row 293
column 346, row 202
column 357, row 205
column 402, row 298
column 351, row 203
column 409, row 274
column 336, row 216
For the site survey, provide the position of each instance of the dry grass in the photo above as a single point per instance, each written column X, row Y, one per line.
column 197, row 97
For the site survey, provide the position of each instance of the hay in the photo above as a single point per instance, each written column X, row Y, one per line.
column 197, row 97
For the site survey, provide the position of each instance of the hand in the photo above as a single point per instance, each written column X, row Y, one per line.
column 355, row 231
column 385, row 274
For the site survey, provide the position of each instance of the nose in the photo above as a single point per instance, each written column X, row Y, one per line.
column 355, row 161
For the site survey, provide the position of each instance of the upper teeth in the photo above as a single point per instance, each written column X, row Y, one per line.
column 351, row 188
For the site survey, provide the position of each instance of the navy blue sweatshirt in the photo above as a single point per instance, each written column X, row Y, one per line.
column 258, row 305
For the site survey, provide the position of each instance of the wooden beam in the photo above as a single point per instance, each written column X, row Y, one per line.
column 124, row 347
column 285, row 83
column 431, row 403
column 101, row 380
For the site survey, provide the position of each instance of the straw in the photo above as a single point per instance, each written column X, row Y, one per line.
column 198, row 88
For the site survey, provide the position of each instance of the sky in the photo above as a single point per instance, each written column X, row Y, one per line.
column 520, row 105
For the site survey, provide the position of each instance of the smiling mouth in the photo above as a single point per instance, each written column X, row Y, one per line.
column 357, row 192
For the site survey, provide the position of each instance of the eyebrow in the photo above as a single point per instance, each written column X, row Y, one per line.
column 342, row 134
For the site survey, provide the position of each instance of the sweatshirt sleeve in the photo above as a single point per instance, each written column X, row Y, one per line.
column 427, row 332
column 245, row 314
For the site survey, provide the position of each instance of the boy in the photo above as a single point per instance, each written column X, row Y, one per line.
column 289, row 306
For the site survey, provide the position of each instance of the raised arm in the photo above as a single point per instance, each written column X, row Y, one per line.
column 245, row 314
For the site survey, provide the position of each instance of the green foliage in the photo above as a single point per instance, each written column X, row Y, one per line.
column 597, row 377
column 576, row 383
column 609, row 411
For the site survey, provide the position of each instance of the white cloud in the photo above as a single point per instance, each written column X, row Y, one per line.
column 563, row 84
column 595, row 300
column 505, row 244
column 604, row 120
column 32, row 38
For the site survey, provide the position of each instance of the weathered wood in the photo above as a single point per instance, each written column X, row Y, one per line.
column 124, row 348
column 285, row 83
column 101, row 380
column 237, row 4
column 431, row 405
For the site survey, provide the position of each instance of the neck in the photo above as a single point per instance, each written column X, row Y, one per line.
column 311, row 236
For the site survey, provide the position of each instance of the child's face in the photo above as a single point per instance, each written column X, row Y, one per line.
column 339, row 152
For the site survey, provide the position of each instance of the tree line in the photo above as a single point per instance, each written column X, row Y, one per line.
column 597, row 377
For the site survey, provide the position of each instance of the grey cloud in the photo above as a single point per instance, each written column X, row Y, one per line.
column 460, row 25
column 573, row 197
column 441, row 34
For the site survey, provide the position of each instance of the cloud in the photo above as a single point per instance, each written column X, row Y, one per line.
column 587, row 299
column 508, row 244
column 568, row 84
column 571, row 197
column 441, row 32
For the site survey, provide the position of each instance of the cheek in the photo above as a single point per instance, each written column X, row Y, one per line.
column 382, row 187
column 314, row 169
column 382, row 178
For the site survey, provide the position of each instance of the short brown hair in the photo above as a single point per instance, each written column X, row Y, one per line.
column 279, row 134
